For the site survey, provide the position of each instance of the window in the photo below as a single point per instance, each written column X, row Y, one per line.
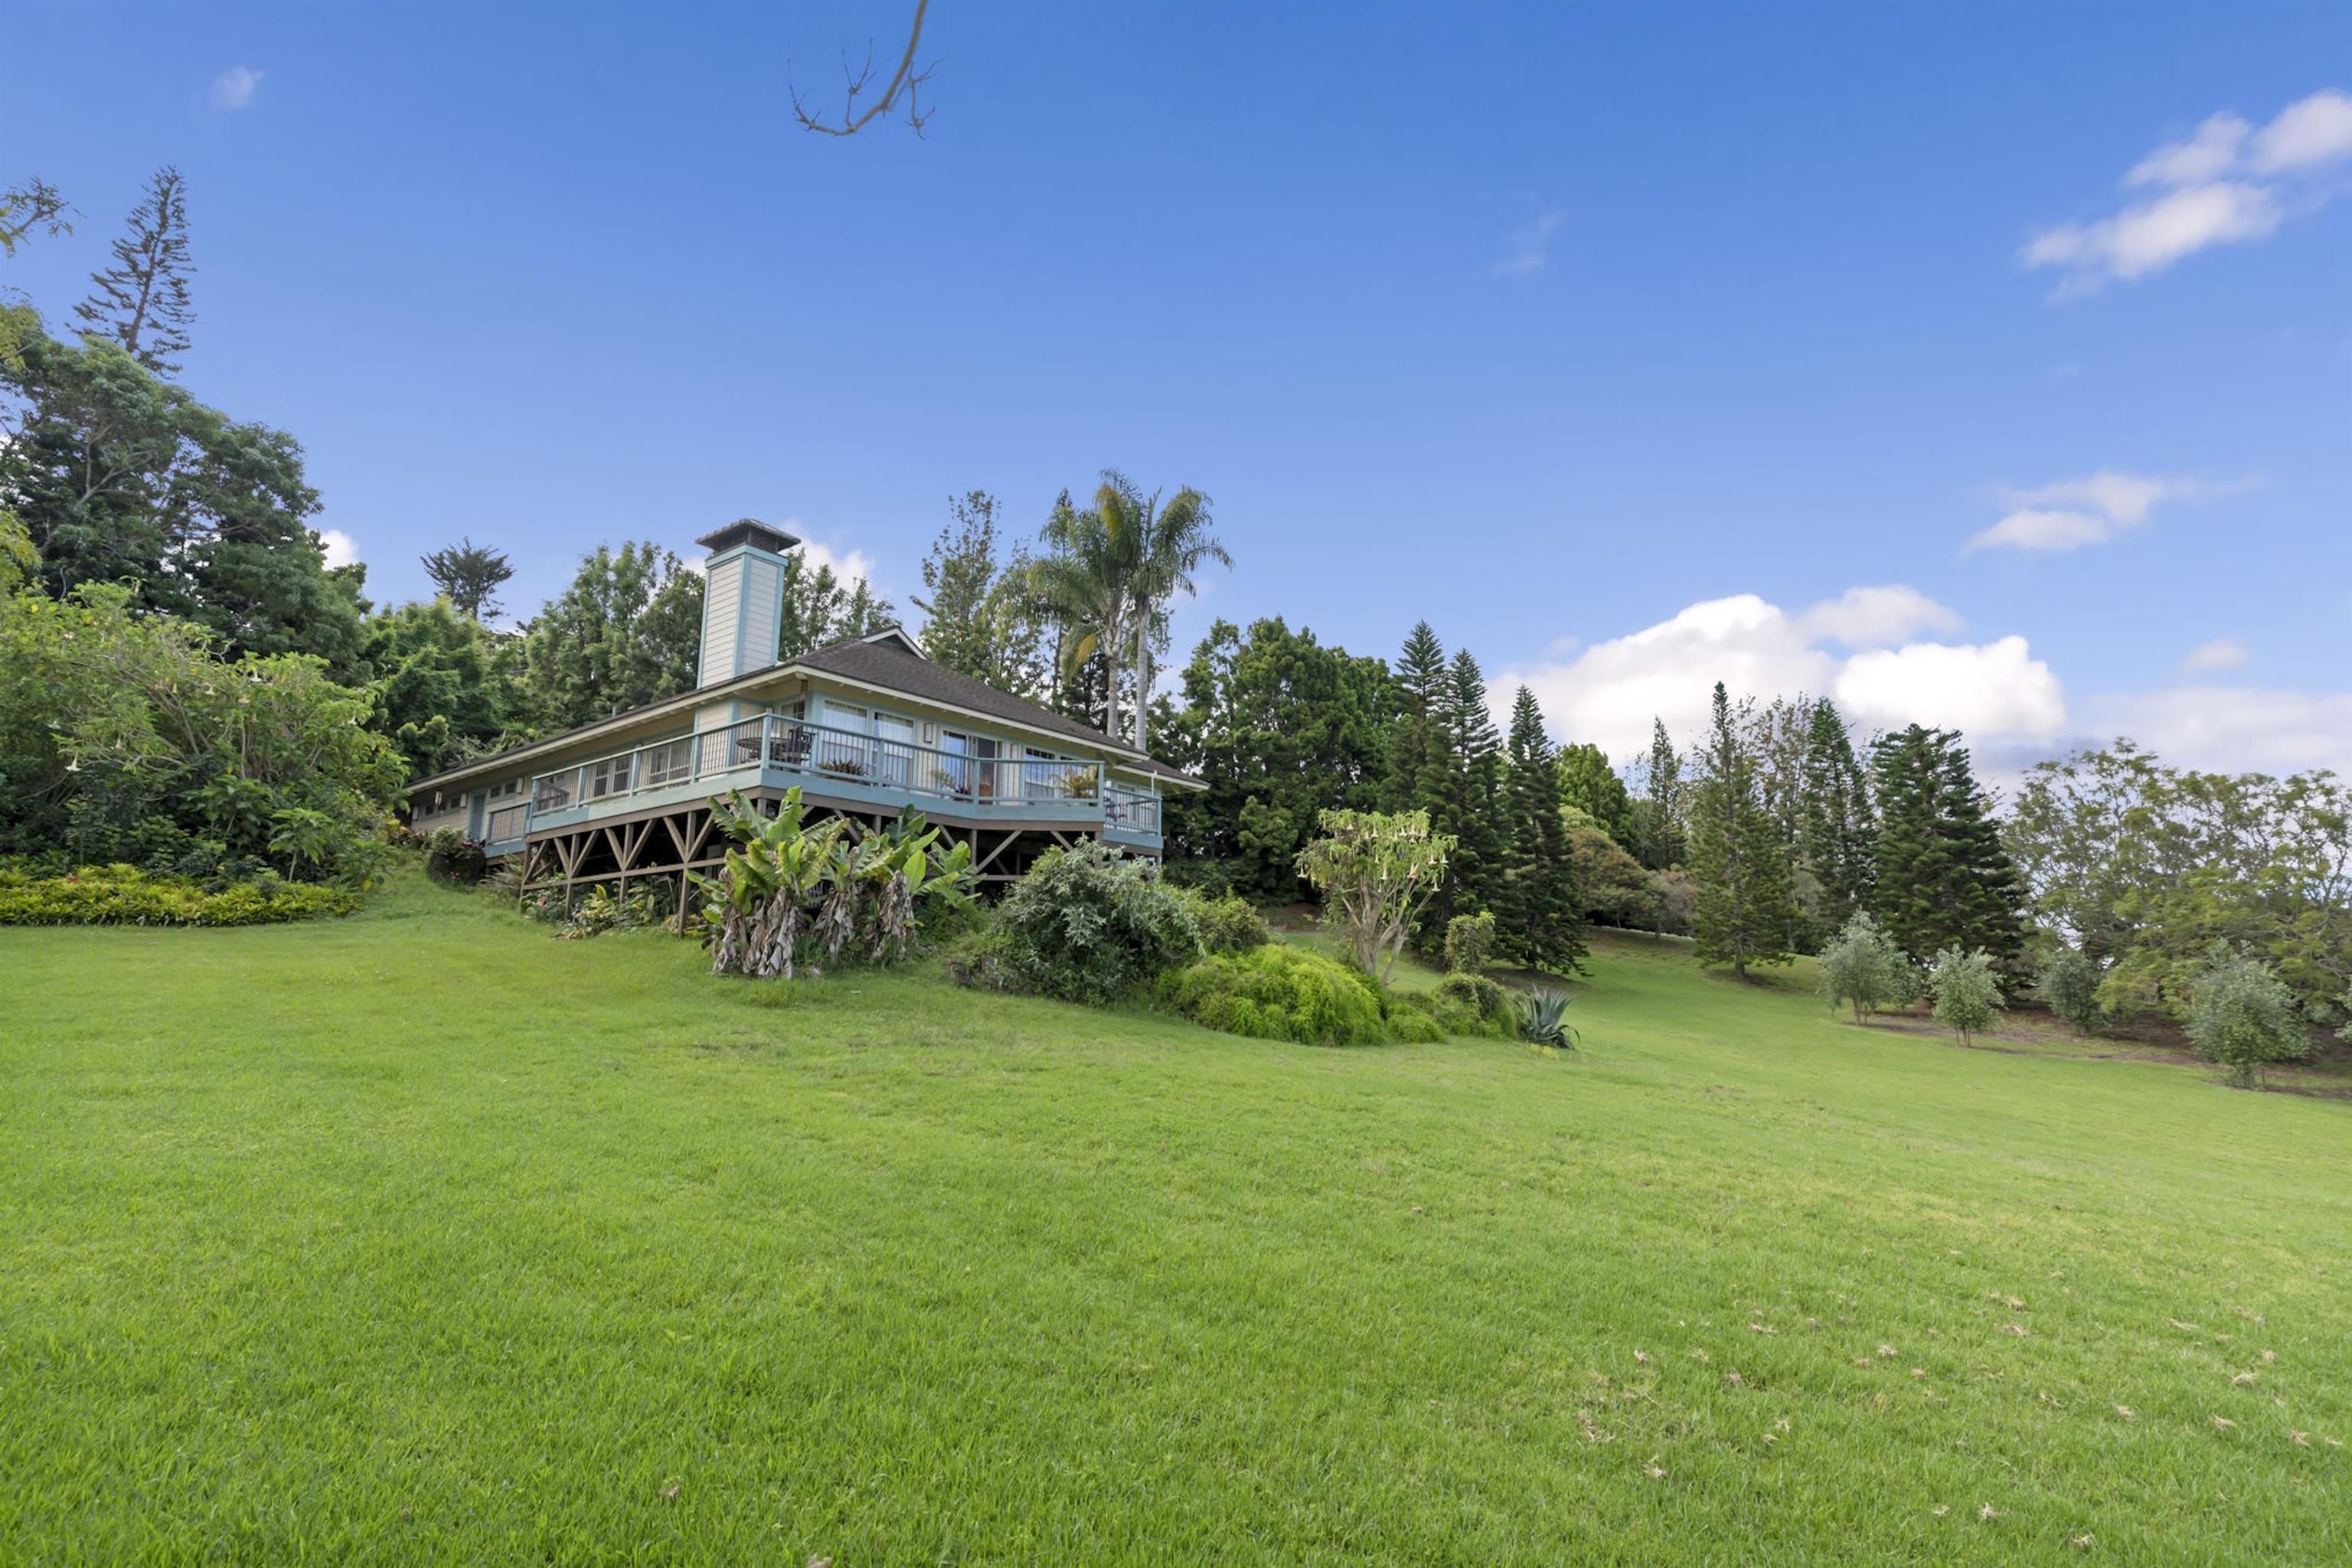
column 670, row 763
column 610, row 776
column 506, row 791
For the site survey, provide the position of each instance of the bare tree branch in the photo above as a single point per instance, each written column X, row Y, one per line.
column 905, row 83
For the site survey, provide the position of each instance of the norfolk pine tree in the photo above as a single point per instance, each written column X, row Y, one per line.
column 1740, row 913
column 141, row 301
column 1536, row 898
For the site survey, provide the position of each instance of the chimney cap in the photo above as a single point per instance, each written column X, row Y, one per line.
column 748, row 530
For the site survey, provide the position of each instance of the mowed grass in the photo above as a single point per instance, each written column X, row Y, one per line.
column 423, row 1236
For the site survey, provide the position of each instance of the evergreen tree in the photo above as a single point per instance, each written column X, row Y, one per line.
column 141, row 301
column 467, row 575
column 820, row 608
column 1740, row 913
column 1420, row 692
column 1837, row 832
column 1662, row 840
column 1537, row 901
column 1461, row 786
column 980, row 617
column 1944, row 878
column 1781, row 731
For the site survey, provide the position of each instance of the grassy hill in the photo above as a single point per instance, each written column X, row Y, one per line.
column 422, row 1235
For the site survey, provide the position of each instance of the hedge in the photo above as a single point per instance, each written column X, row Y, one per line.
column 124, row 895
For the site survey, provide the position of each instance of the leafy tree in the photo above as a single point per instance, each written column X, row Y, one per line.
column 1611, row 886
column 1375, row 870
column 19, row 562
column 2241, row 1016
column 2070, row 985
column 626, row 632
column 1837, row 831
column 2144, row 868
column 124, row 737
column 1863, row 968
column 820, row 607
column 1740, row 874
column 982, row 618
column 1943, row 878
column 468, row 575
column 1588, row 782
column 1282, row 729
column 30, row 206
column 1963, row 991
column 141, row 301
column 1536, row 896
column 442, row 691
column 120, row 476
column 1662, row 806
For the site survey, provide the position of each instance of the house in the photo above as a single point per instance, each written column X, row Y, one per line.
column 864, row 729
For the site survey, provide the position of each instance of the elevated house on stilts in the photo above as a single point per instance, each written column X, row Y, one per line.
column 865, row 729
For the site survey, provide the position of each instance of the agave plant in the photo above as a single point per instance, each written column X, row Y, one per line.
column 1543, row 1019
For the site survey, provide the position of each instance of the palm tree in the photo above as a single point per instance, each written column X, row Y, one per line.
column 1111, row 572
column 1086, row 582
column 1176, row 544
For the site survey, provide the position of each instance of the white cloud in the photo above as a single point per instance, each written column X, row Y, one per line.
column 1878, row 618
column 234, row 88
column 2000, row 689
column 1609, row 693
column 2228, row 185
column 337, row 546
column 2230, row 729
column 2207, row 155
column 2071, row 513
column 1530, row 249
column 2311, row 134
column 2221, row 653
column 853, row 565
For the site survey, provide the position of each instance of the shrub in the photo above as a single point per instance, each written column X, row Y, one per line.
column 1092, row 924
column 124, row 895
column 1543, row 1019
column 2070, row 984
column 1863, row 968
column 2242, row 1017
column 1229, row 924
column 1469, row 943
column 1419, row 1021
column 1964, row 990
column 450, row 856
column 601, row 910
column 1278, row 993
column 1486, row 1000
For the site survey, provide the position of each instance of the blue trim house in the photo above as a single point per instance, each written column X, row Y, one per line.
column 864, row 729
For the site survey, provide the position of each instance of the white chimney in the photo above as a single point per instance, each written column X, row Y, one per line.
column 742, row 598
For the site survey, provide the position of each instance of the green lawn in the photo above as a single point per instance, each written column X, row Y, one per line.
column 422, row 1235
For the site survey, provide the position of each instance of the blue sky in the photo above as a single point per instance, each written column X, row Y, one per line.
column 1631, row 346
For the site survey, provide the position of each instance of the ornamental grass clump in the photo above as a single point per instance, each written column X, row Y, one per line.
column 1277, row 992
